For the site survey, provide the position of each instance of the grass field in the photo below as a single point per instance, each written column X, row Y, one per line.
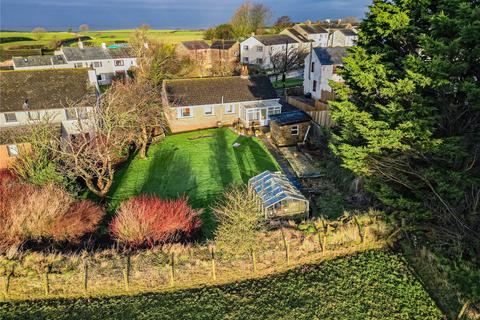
column 290, row 82
column 201, row 168
column 107, row 36
column 370, row 285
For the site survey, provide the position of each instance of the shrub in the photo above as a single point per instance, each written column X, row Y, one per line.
column 29, row 212
column 147, row 220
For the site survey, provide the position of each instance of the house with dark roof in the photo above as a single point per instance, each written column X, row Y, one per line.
column 312, row 33
column 211, row 102
column 220, row 52
column 343, row 38
column 320, row 67
column 107, row 62
column 259, row 49
column 29, row 97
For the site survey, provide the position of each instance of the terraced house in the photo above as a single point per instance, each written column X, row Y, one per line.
column 30, row 97
column 107, row 63
column 211, row 102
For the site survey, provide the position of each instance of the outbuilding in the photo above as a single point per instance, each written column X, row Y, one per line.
column 289, row 128
column 278, row 196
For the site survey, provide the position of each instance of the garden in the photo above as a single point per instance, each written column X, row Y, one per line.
column 199, row 165
column 369, row 285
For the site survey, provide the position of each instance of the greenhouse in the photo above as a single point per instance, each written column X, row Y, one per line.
column 278, row 196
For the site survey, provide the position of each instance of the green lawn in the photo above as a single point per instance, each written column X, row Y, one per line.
column 107, row 36
column 290, row 82
column 201, row 168
column 370, row 285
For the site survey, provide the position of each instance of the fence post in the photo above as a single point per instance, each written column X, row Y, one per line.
column 46, row 279
column 254, row 261
column 359, row 230
column 172, row 270
column 8, row 279
column 325, row 231
column 126, row 272
column 85, row 275
column 214, row 274
column 286, row 246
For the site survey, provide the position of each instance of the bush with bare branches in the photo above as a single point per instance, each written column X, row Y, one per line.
column 148, row 220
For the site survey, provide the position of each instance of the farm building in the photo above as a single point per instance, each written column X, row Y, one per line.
column 278, row 196
column 289, row 128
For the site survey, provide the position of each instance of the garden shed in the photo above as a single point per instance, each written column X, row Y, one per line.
column 289, row 128
column 278, row 196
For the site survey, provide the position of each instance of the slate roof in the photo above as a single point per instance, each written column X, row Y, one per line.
column 297, row 34
column 291, row 117
column 44, row 89
column 331, row 55
column 275, row 39
column 348, row 32
column 223, row 44
column 204, row 91
column 121, row 52
column 87, row 53
column 36, row 61
column 313, row 29
column 195, row 45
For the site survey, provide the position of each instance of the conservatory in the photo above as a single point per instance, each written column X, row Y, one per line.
column 277, row 195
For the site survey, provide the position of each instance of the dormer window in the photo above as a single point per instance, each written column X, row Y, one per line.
column 10, row 117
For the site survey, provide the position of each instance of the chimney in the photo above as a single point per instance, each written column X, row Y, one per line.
column 104, row 46
column 244, row 72
column 80, row 44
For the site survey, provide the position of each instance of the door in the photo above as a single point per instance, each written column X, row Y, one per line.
column 263, row 117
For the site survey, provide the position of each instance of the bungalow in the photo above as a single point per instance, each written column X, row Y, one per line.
column 28, row 97
column 107, row 62
column 211, row 102
column 258, row 50
column 305, row 33
column 321, row 67
column 343, row 38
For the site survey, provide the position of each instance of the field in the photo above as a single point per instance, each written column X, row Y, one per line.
column 370, row 285
column 107, row 36
column 290, row 82
column 199, row 164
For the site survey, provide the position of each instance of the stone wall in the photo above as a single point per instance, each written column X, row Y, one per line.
column 282, row 135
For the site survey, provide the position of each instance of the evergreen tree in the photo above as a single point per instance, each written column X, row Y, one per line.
column 408, row 113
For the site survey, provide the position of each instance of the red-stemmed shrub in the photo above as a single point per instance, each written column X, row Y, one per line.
column 148, row 220
column 29, row 212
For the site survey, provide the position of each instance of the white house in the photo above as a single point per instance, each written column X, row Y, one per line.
column 308, row 33
column 343, row 38
column 321, row 67
column 107, row 62
column 257, row 50
column 31, row 96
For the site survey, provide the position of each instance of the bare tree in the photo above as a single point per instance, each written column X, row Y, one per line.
column 260, row 16
column 282, row 23
column 84, row 27
column 248, row 18
column 288, row 60
column 38, row 32
column 351, row 20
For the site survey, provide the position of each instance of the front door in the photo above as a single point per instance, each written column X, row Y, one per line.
column 263, row 117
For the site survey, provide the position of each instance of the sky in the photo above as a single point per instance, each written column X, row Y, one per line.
column 59, row 15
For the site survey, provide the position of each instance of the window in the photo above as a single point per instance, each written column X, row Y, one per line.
column 12, row 150
column 10, row 117
column 71, row 114
column 229, row 109
column 118, row 63
column 185, row 112
column 314, row 87
column 208, row 111
column 259, row 61
column 33, row 116
column 313, row 67
column 245, row 47
column 245, row 59
column 294, row 131
column 97, row 64
column 78, row 64
column 99, row 77
column 259, row 49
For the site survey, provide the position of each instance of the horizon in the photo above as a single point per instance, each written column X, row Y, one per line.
column 158, row 14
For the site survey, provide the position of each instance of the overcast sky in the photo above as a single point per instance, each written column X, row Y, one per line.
column 159, row 14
